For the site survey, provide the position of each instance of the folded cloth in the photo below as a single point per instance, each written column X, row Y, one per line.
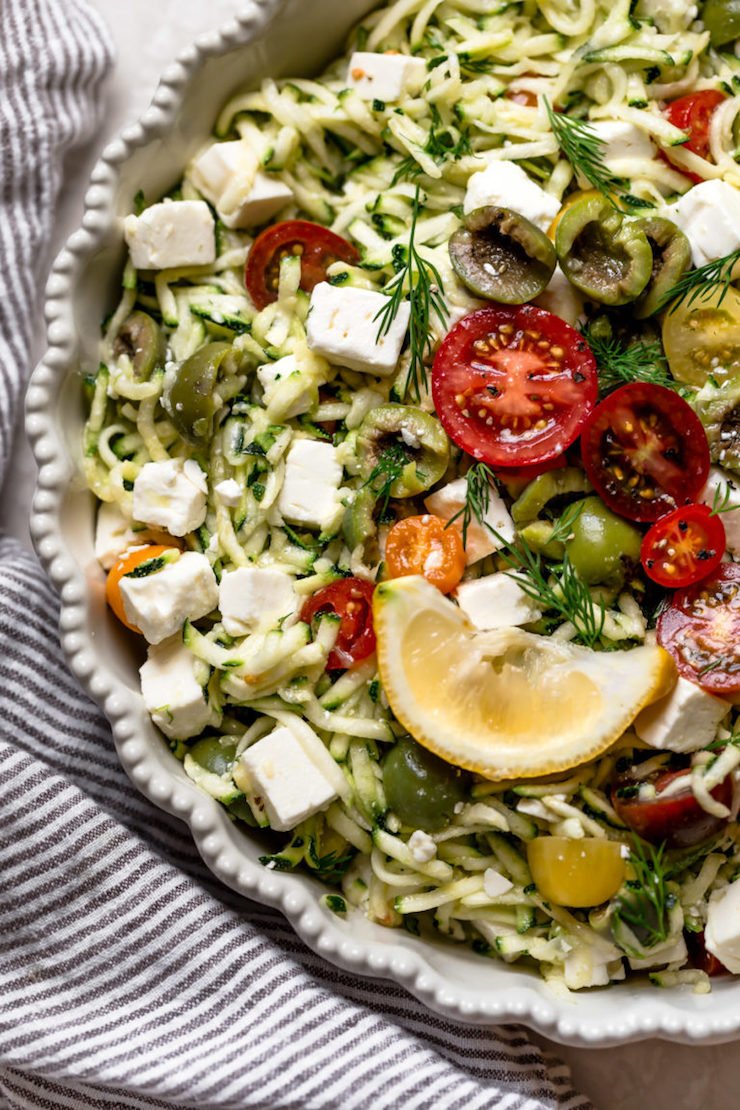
column 129, row 977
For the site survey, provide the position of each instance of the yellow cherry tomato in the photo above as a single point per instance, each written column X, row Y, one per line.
column 128, row 562
column 576, row 873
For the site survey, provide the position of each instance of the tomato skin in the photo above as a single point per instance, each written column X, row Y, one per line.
column 678, row 820
column 352, row 600
column 424, row 545
column 525, row 378
column 700, row 628
column 128, row 561
column 317, row 245
column 647, row 431
column 683, row 547
column 701, row 957
column 693, row 114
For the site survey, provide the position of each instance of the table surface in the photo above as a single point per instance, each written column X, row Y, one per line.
column 147, row 37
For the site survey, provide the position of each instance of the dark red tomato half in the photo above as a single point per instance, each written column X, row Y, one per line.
column 645, row 451
column 693, row 114
column 683, row 547
column 701, row 630
column 677, row 819
column 700, row 957
column 513, row 385
column 317, row 246
column 352, row 601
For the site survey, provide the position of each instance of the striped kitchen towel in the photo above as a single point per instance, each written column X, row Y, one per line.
column 128, row 976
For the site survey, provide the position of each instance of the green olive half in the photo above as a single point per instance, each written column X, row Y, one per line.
column 717, row 405
column 602, row 547
column 140, row 337
column 722, row 19
column 500, row 255
column 402, row 447
column 545, row 488
column 191, row 398
column 671, row 258
column 603, row 255
column 421, row 789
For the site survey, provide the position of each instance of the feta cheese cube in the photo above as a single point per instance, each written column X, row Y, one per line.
column 448, row 501
column 310, row 493
column 172, row 693
column 623, row 143
column 586, row 967
column 562, row 298
column 343, row 326
column 495, row 884
column 114, row 535
column 173, row 233
column 171, row 494
column 507, row 185
column 385, row 77
column 227, row 175
column 228, row 492
column 287, row 391
column 292, row 787
column 254, row 600
column 496, row 601
column 722, row 932
column 721, row 485
column 684, row 721
column 422, row 847
column 709, row 216
column 158, row 604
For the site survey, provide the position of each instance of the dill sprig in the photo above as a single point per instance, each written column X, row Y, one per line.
column 426, row 299
column 701, row 283
column 646, row 902
column 564, row 524
column 619, row 363
column 585, row 151
column 387, row 470
column 479, row 482
column 721, row 500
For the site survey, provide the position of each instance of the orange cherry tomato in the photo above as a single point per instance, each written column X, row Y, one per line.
column 423, row 545
column 128, row 562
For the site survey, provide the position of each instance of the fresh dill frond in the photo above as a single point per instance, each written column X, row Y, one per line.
column 387, row 470
column 476, row 66
column 645, row 904
column 564, row 525
column 422, row 280
column 721, row 500
column 479, row 481
column 620, row 363
column 701, row 283
column 585, row 151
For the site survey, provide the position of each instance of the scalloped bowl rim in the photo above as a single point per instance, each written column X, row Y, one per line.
column 523, row 998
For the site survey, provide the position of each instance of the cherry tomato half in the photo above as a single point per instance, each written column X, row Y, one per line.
column 423, row 545
column 645, row 451
column 317, row 246
column 700, row 957
column 701, row 630
column 693, row 114
column 677, row 819
column 683, row 547
column 352, row 600
column 125, row 565
column 513, row 385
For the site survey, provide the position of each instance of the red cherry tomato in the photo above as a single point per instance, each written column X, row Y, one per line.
column 701, row 630
column 700, row 957
column 677, row 819
column 645, row 451
column 352, row 600
column 693, row 114
column 513, row 385
column 683, row 547
column 317, row 246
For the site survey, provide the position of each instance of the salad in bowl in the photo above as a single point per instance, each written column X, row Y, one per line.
column 414, row 438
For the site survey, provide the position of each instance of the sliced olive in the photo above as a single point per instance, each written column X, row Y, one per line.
column 191, row 398
column 141, row 339
column 214, row 755
column 500, row 255
column 718, row 407
column 703, row 338
column 545, row 488
column 671, row 258
column 420, row 788
column 602, row 547
column 605, row 256
column 402, row 450
column 722, row 19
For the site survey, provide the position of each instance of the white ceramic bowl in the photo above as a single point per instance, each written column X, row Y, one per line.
column 273, row 37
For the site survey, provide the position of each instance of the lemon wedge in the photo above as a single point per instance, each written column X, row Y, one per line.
column 505, row 703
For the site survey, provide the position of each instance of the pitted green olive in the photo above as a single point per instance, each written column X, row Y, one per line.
column 671, row 258
column 545, row 488
column 402, row 448
column 717, row 404
column 191, row 398
column 703, row 339
column 140, row 337
column 605, row 256
column 421, row 789
column 213, row 756
column 500, row 255
column 722, row 19
column 602, row 547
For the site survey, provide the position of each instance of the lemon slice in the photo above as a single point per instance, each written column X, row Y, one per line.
column 505, row 703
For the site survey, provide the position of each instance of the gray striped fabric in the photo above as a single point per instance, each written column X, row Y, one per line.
column 128, row 976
